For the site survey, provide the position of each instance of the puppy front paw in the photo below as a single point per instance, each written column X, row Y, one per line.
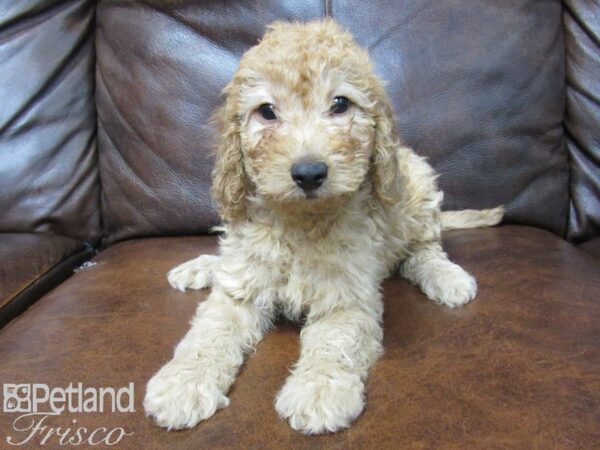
column 177, row 397
column 316, row 402
column 450, row 285
column 194, row 274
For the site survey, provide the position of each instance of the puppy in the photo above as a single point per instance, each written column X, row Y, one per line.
column 320, row 202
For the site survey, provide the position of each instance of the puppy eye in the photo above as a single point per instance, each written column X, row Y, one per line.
column 340, row 105
column 267, row 112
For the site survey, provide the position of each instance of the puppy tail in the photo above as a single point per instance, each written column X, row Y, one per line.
column 471, row 218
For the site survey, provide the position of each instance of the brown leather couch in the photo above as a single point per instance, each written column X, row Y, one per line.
column 104, row 150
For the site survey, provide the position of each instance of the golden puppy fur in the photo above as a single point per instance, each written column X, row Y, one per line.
column 319, row 254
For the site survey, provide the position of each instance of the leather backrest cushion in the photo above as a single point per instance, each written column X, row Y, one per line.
column 161, row 67
column 582, row 44
column 48, row 160
column 478, row 87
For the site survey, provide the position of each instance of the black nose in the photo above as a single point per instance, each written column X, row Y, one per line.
column 309, row 175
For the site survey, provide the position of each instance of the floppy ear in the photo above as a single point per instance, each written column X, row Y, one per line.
column 385, row 159
column 228, row 188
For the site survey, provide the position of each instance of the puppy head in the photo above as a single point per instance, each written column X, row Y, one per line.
column 305, row 122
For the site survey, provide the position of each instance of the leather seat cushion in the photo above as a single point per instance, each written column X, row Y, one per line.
column 592, row 247
column 518, row 367
column 31, row 264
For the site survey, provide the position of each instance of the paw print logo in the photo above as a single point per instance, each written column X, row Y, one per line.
column 17, row 398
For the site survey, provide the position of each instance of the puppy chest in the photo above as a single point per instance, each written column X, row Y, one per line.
column 298, row 280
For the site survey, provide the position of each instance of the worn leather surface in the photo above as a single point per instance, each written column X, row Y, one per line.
column 26, row 263
column 582, row 122
column 519, row 367
column 478, row 88
column 48, row 160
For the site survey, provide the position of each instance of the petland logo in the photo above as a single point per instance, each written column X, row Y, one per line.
column 36, row 402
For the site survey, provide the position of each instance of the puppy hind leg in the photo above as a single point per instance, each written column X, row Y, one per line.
column 440, row 279
column 192, row 386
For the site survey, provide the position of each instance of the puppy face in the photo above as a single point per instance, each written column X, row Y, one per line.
column 302, row 120
column 308, row 139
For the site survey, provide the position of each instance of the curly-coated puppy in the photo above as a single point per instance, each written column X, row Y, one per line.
column 320, row 202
